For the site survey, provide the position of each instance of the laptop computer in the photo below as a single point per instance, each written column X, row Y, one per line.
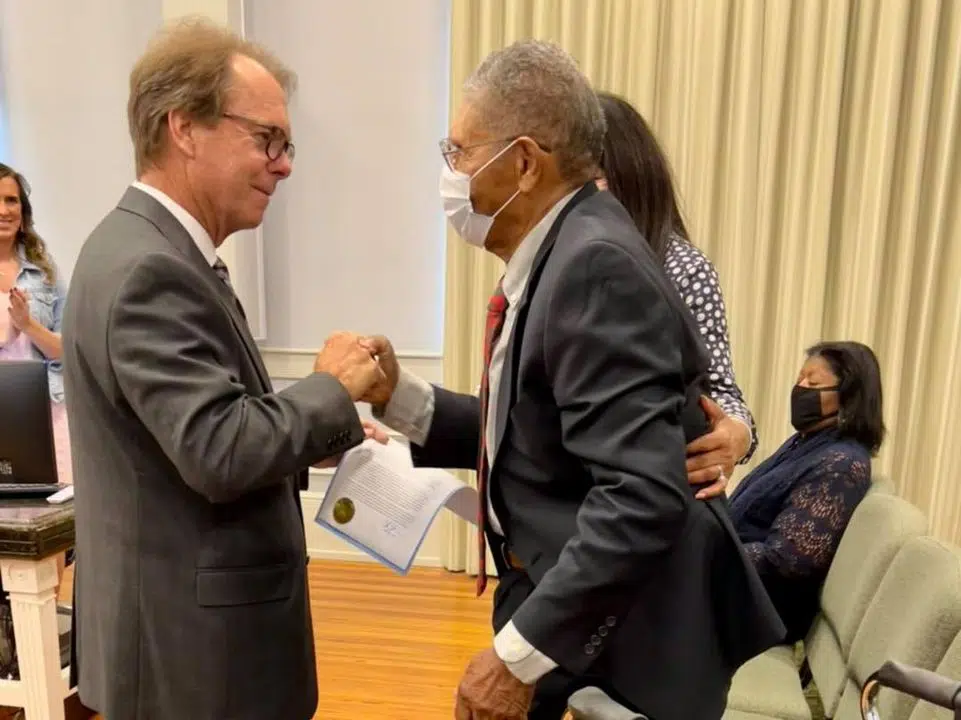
column 28, row 459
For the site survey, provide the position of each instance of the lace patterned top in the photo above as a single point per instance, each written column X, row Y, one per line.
column 696, row 279
column 791, row 512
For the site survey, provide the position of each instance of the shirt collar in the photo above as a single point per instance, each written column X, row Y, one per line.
column 193, row 227
column 522, row 261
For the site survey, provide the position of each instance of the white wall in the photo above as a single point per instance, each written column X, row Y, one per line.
column 64, row 70
column 354, row 239
column 64, row 67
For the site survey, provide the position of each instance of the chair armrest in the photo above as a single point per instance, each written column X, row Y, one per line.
column 592, row 703
column 917, row 682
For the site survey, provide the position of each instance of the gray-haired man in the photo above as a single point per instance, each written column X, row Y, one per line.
column 610, row 572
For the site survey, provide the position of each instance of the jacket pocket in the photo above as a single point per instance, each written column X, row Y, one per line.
column 41, row 307
column 223, row 587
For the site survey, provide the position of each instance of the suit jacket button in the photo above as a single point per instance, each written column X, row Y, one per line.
column 611, row 621
column 602, row 631
column 595, row 640
column 589, row 649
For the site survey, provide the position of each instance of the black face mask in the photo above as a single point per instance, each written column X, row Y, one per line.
column 806, row 407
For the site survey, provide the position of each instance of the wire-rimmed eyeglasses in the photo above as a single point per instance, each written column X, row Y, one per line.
column 451, row 151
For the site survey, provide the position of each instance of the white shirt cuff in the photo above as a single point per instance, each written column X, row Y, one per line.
column 411, row 408
column 524, row 661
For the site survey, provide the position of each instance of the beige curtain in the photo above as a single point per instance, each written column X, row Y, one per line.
column 816, row 150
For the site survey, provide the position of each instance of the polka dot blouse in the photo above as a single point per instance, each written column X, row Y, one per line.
column 697, row 281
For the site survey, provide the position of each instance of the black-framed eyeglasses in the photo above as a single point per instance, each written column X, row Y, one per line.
column 273, row 139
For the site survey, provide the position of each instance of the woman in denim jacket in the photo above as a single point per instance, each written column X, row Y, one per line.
column 31, row 306
column 31, row 301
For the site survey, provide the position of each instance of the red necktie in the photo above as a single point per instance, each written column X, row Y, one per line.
column 496, row 309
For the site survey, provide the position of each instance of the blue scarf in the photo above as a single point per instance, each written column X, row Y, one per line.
column 773, row 480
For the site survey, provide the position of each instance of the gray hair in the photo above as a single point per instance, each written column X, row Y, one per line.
column 535, row 88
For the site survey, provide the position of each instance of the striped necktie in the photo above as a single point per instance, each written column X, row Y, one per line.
column 496, row 310
column 223, row 273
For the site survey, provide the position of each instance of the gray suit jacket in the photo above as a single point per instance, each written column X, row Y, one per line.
column 191, row 594
column 634, row 581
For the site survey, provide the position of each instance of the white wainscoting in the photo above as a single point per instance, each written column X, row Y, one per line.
column 287, row 365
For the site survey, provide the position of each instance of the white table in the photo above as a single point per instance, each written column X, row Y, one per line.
column 32, row 587
column 29, row 547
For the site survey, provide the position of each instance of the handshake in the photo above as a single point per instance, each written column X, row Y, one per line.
column 365, row 366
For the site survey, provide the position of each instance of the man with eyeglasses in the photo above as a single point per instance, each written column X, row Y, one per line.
column 191, row 596
column 610, row 572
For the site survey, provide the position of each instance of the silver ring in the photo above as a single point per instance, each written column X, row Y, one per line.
column 720, row 473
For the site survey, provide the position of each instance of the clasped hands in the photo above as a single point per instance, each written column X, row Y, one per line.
column 365, row 365
column 368, row 370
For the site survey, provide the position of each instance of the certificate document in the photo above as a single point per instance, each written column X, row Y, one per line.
column 380, row 503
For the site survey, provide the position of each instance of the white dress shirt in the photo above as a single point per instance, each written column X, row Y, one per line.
column 193, row 227
column 411, row 411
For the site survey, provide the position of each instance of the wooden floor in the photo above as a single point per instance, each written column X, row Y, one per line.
column 390, row 646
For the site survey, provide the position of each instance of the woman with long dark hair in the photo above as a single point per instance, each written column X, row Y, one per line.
column 636, row 171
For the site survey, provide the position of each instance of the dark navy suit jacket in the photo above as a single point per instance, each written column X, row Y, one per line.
column 635, row 580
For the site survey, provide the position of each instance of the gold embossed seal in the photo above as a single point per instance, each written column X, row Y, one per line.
column 344, row 510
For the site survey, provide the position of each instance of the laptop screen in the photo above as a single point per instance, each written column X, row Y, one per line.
column 27, row 453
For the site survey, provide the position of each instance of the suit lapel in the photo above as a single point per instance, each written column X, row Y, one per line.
column 243, row 329
column 508, row 379
column 148, row 208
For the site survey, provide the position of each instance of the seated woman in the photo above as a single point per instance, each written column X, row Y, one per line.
column 636, row 171
column 792, row 510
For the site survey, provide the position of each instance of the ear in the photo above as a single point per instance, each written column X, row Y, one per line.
column 530, row 164
column 182, row 132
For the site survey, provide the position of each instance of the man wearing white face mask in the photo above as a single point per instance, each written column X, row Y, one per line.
column 611, row 574
column 455, row 192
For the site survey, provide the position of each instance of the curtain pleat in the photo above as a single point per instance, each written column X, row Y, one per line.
column 815, row 149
